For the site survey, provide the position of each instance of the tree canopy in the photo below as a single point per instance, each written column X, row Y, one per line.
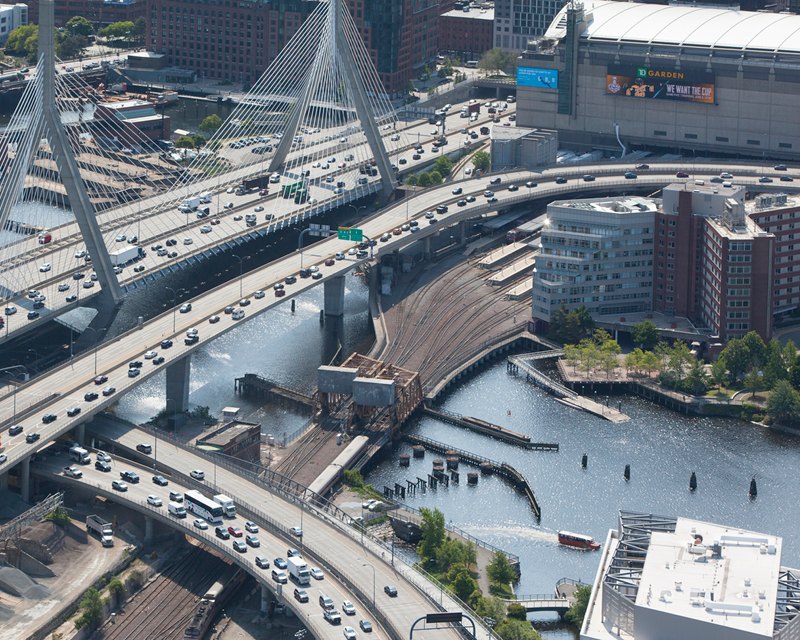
column 433, row 532
column 79, row 26
column 645, row 334
column 92, row 610
column 570, row 327
column 783, row 404
column 497, row 60
column 211, row 123
column 577, row 611
column 500, row 569
column 482, row 161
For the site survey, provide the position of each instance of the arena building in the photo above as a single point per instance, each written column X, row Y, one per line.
column 617, row 75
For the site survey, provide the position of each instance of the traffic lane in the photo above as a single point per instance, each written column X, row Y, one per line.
column 402, row 610
column 271, row 546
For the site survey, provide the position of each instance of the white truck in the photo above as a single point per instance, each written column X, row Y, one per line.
column 176, row 509
column 79, row 454
column 192, row 203
column 299, row 570
column 124, row 255
column 102, row 528
column 206, row 197
column 227, row 505
column 72, row 472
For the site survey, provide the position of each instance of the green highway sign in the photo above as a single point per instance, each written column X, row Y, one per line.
column 355, row 235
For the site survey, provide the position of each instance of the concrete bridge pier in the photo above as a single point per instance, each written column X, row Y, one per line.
column 426, row 247
column 334, row 296
column 178, row 385
column 462, row 232
column 25, row 478
column 264, row 602
column 148, row 530
column 80, row 434
column 3, row 481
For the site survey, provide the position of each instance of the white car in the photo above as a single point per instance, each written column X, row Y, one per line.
column 351, row 252
column 228, row 205
column 149, row 355
column 45, row 267
column 197, row 475
column 121, row 238
column 204, row 229
column 63, row 287
column 229, row 190
column 296, row 531
column 395, row 138
column 258, row 209
column 103, row 457
column 188, row 240
column 348, row 608
column 349, row 633
column 251, row 527
column 317, row 574
column 258, row 295
column 315, row 165
column 386, row 127
column 200, row 524
column 80, row 253
column 155, row 501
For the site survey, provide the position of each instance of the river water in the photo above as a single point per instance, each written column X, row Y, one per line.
column 662, row 447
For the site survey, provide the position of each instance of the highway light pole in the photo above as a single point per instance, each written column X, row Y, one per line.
column 357, row 209
column 241, row 270
column 96, row 336
column 367, row 564
column 10, row 371
column 174, row 303
column 36, row 366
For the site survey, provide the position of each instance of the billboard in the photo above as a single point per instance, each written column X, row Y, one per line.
column 656, row 84
column 543, row 78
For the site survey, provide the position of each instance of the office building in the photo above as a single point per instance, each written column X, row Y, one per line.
column 677, row 578
column 517, row 21
column 610, row 75
column 130, row 120
column 467, row 31
column 100, row 13
column 11, row 17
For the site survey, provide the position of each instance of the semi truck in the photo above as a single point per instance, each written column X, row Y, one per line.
column 102, row 529
column 299, row 570
column 124, row 256
column 79, row 454
column 227, row 505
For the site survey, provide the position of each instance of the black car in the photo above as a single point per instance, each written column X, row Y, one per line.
column 228, row 310
column 787, row 179
column 390, row 591
column 158, row 360
column 161, row 481
column 588, row 178
column 15, row 430
column 462, row 203
column 531, row 185
column 780, row 167
column 136, row 364
column 304, row 273
column 88, row 397
column 32, row 437
column 73, row 412
column 166, row 344
column 72, row 298
column 144, row 448
column 191, row 340
column 290, row 280
column 222, row 532
column 561, row 180
column 47, row 418
column 32, row 315
column 102, row 466
column 171, row 242
column 129, row 476
column 78, row 276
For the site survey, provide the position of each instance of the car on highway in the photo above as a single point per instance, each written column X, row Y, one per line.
column 199, row 523
column 32, row 315
column 251, row 527
column 488, row 194
column 144, row 448
column 244, row 302
column 130, row 476
column 258, row 295
column 63, row 287
column 149, row 355
column 132, row 373
column 71, row 298
column 332, row 616
column 629, row 175
column 279, row 576
column 15, row 430
column 561, row 180
column 300, row 595
column 103, row 466
column 205, row 228
column 717, row 180
column 531, row 185
column 787, row 179
column 348, row 608
column 317, row 574
column 236, row 532
column 765, row 179
column 262, row 562
column 213, row 320
column 258, row 209
column 90, row 396
column 390, row 591
column 166, row 344
column 222, row 532
column 118, row 485
column 158, row 360
column 296, row 531
column 109, row 391
column 102, row 455
column 513, row 187
column 280, row 563
column 32, row 437
column 349, row 633
column 726, row 176
column 197, row 475
column 88, row 284
column 330, row 262
column 100, row 379
column 681, row 174
column 121, row 238
column 366, row 625
column 252, row 540
column 154, row 501
column 457, row 191
column 588, row 178
column 642, row 167
column 161, row 481
column 78, row 276
column 240, row 546
column 74, row 411
column 135, row 364
column 47, row 418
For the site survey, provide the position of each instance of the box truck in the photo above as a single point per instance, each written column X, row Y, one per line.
column 206, row 197
column 192, row 203
column 124, row 256
column 103, row 529
column 79, row 454
column 227, row 505
column 299, row 570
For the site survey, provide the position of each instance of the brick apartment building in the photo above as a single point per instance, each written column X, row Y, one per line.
column 101, row 13
column 469, row 32
column 695, row 254
column 221, row 39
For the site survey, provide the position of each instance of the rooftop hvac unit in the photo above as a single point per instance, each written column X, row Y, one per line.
column 780, row 198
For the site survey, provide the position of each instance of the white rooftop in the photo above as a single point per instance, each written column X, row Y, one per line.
column 621, row 204
column 651, row 24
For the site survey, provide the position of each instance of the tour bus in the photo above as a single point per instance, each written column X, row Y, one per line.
column 203, row 507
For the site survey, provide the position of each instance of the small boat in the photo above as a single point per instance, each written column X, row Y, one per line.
column 577, row 540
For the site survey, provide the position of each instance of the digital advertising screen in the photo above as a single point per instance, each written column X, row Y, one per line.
column 543, row 78
column 655, row 84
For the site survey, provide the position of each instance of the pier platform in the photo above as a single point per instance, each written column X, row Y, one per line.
column 501, row 254
column 480, row 426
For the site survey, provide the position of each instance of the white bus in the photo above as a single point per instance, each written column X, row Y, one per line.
column 204, row 507
column 472, row 64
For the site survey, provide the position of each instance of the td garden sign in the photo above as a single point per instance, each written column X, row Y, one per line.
column 656, row 84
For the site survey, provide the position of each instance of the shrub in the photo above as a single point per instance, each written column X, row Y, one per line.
column 577, row 611
column 353, row 478
column 517, row 611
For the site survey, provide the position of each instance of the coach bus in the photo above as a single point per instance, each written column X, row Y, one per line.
column 204, row 507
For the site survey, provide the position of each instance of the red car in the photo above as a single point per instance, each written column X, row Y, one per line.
column 396, row 232
column 236, row 532
column 215, row 221
column 263, row 192
column 330, row 262
column 681, row 174
column 100, row 379
column 279, row 293
column 642, row 167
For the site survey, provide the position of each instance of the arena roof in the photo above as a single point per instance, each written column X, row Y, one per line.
column 651, row 24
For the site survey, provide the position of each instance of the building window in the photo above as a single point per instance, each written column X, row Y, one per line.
column 691, row 136
column 722, row 139
column 785, row 145
column 755, row 142
column 659, row 133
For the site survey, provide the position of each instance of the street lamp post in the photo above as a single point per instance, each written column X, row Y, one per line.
column 174, row 304
column 10, row 371
column 96, row 336
column 241, row 271
column 367, row 564
column 357, row 209
column 36, row 353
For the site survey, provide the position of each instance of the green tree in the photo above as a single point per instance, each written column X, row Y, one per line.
column 70, row 46
column 185, row 142
column 500, row 569
column 696, row 380
column 645, row 334
column 464, row 585
column 139, row 29
column 199, row 140
column 492, row 607
column 412, row 180
column 211, row 123
column 633, row 361
column 481, row 161
column 18, row 39
column 441, row 73
column 353, row 478
column 783, row 404
column 737, row 355
column 572, row 355
column 794, row 373
column 774, row 367
column 424, row 180
column 569, row 327
column 662, row 351
column 495, row 60
column 436, row 177
column 517, row 611
column 449, row 553
column 433, row 532
column 426, row 73
column 608, row 362
column 753, row 381
column 60, row 516
column 118, row 30
column 756, row 347
column 511, row 629
column 577, row 611
column 650, row 362
column 789, row 354
column 116, row 589
column 680, row 360
column 443, row 165
column 92, row 610
column 79, row 26
column 719, row 371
